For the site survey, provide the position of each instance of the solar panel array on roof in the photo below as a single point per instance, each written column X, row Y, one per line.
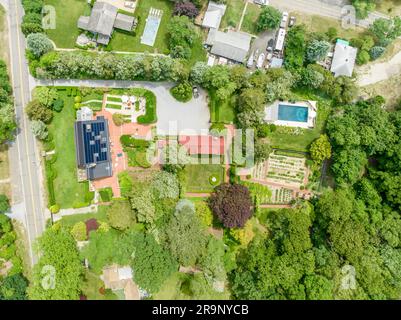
column 92, row 145
column 95, row 148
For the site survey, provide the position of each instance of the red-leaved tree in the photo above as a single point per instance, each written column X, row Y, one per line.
column 186, row 9
column 231, row 203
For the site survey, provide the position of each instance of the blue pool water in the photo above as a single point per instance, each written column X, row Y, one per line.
column 292, row 113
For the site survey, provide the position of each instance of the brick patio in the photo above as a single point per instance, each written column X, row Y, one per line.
column 120, row 163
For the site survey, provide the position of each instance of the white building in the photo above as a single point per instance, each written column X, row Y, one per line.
column 84, row 114
column 213, row 15
column 343, row 59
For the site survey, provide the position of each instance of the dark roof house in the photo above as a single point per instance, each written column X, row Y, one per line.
column 93, row 148
column 103, row 19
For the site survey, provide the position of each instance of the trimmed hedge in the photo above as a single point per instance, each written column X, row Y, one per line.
column 150, row 116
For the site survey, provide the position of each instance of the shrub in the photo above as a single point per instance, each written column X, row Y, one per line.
column 182, row 92
column 39, row 44
column 91, row 225
column 118, row 119
column 37, row 111
column 55, row 208
column 204, row 213
column 78, row 231
column 78, row 99
column 376, row 52
column 4, row 203
column 106, row 194
column 58, row 105
column 119, row 215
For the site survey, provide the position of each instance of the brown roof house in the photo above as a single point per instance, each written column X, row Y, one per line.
column 120, row 278
column 103, row 19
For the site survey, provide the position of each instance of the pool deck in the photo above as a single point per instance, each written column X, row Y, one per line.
column 272, row 111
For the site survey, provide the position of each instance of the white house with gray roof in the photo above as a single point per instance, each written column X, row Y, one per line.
column 103, row 19
column 343, row 59
column 214, row 14
column 232, row 45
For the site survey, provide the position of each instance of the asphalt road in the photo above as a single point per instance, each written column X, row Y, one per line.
column 26, row 175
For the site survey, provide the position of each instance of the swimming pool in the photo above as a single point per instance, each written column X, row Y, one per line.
column 150, row 31
column 292, row 113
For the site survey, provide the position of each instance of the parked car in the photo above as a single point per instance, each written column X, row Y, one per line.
column 251, row 59
column 269, row 56
column 261, row 2
column 284, row 20
column 292, row 21
column 195, row 92
column 270, row 45
column 261, row 59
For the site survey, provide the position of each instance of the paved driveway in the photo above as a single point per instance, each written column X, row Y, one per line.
column 174, row 117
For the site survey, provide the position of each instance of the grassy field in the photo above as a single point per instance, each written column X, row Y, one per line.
column 4, row 53
column 68, row 190
column 175, row 286
column 316, row 23
column 284, row 138
column 233, row 14
column 124, row 42
column 389, row 7
column 67, row 15
column 91, row 287
column 389, row 89
column 198, row 176
column 250, row 18
column 221, row 111
column 69, row 221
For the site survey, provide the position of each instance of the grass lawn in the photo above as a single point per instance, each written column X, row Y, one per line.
column 67, row 15
column 69, row 221
column 389, row 89
column 175, row 286
column 221, row 111
column 316, row 23
column 4, row 164
column 283, row 138
column 233, row 14
column 198, row 176
column 250, row 18
column 4, row 54
column 389, row 7
column 67, row 189
column 124, row 42
column 91, row 286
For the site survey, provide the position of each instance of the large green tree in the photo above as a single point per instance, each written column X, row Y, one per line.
column 57, row 275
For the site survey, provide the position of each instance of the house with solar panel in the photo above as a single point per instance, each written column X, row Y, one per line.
column 103, row 19
column 93, row 149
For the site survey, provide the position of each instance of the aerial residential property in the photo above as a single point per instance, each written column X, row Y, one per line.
column 344, row 58
column 92, row 147
column 155, row 150
column 102, row 21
